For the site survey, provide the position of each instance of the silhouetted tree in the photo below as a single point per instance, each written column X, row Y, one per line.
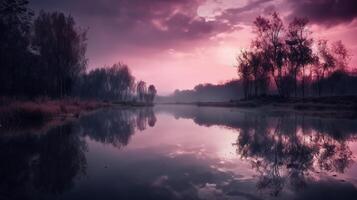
column 141, row 91
column 245, row 71
column 108, row 83
column 329, row 58
column 151, row 93
column 61, row 46
column 285, row 53
column 299, row 44
column 341, row 54
column 15, row 25
column 121, row 81
column 270, row 40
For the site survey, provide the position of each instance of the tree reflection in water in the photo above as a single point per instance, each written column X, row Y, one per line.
column 284, row 151
column 116, row 126
column 34, row 165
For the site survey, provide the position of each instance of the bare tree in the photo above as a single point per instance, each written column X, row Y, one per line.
column 299, row 44
column 245, row 72
column 270, row 40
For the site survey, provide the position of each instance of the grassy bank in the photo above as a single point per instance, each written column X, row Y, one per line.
column 22, row 114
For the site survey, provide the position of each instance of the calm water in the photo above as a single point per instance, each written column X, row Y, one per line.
column 183, row 152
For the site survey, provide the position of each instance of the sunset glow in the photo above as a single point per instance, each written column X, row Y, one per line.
column 181, row 43
column 178, row 99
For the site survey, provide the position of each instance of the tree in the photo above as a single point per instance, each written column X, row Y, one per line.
column 107, row 83
column 121, row 81
column 341, row 55
column 15, row 24
column 324, row 62
column 299, row 44
column 62, row 48
column 151, row 93
column 285, row 53
column 329, row 59
column 270, row 42
column 245, row 71
column 141, row 91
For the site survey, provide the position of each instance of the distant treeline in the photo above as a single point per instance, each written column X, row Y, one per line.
column 45, row 56
column 113, row 83
column 338, row 83
column 206, row 92
column 286, row 57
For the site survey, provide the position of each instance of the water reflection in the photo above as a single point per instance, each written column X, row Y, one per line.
column 148, row 154
column 36, row 166
column 115, row 126
column 40, row 164
column 285, row 149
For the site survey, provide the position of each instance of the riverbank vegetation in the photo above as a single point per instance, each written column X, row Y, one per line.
column 19, row 114
column 43, row 56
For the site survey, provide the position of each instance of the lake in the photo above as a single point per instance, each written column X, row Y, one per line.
column 183, row 152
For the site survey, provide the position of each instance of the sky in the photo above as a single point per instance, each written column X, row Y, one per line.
column 177, row 44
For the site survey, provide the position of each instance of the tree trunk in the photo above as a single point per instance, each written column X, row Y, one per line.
column 303, row 81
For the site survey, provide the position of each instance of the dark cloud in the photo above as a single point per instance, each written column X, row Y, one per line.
column 163, row 22
column 154, row 22
column 326, row 12
column 141, row 27
column 247, row 13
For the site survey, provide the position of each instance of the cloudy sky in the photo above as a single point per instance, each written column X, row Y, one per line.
column 176, row 44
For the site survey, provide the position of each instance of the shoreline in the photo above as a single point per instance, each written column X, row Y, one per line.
column 41, row 114
column 35, row 115
column 332, row 107
column 28, row 115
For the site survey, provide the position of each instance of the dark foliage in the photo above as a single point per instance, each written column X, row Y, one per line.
column 61, row 47
column 114, row 83
column 46, row 57
column 282, row 57
column 46, row 62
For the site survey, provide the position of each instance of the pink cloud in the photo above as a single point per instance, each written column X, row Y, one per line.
column 181, row 43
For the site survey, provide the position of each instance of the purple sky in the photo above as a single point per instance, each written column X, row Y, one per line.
column 176, row 44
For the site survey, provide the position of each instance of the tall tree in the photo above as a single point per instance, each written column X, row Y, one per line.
column 151, row 93
column 141, row 91
column 120, row 80
column 270, row 40
column 299, row 44
column 324, row 64
column 245, row 72
column 341, row 55
column 108, row 83
column 62, row 48
column 15, row 24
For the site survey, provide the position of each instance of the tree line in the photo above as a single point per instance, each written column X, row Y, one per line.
column 206, row 93
column 288, row 59
column 113, row 83
column 45, row 56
